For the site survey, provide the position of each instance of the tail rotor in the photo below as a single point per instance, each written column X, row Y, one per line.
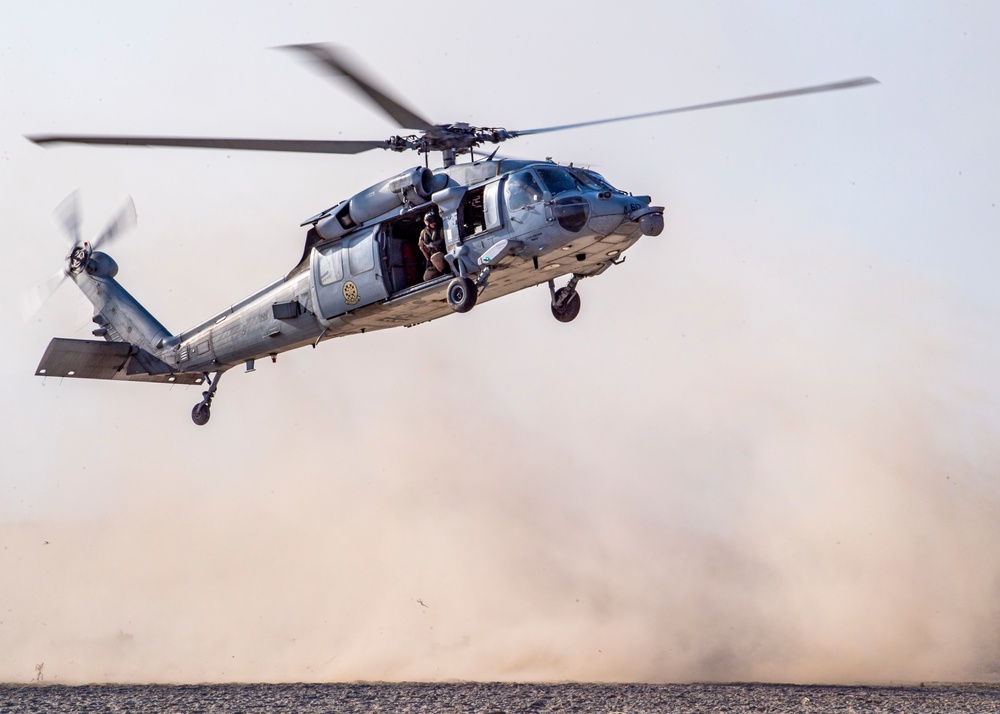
column 67, row 214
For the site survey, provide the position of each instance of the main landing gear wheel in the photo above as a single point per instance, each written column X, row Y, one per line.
column 201, row 413
column 462, row 294
column 566, row 305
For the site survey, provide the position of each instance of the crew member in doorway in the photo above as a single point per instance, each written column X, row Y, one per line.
column 432, row 246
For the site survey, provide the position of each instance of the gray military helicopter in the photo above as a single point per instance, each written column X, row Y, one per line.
column 507, row 225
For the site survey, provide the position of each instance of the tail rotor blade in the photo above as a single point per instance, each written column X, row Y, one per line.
column 33, row 300
column 67, row 214
column 124, row 220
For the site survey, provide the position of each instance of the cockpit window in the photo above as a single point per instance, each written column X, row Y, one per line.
column 593, row 180
column 558, row 180
column 331, row 269
column 586, row 181
column 561, row 179
column 522, row 190
column 359, row 255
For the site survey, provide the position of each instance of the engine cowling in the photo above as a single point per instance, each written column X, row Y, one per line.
column 415, row 185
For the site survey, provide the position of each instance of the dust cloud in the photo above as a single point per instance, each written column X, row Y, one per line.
column 778, row 466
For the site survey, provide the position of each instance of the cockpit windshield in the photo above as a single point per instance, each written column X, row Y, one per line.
column 593, row 180
column 561, row 179
column 558, row 180
column 586, row 182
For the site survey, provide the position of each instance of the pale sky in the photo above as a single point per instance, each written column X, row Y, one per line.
column 767, row 449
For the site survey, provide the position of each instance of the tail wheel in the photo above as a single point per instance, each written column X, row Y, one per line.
column 566, row 305
column 462, row 294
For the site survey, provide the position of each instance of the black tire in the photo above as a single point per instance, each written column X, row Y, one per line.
column 201, row 414
column 462, row 294
column 569, row 309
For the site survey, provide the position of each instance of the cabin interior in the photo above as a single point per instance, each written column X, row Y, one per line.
column 404, row 261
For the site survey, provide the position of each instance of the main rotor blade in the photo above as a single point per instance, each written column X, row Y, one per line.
column 338, row 66
column 120, row 223
column 847, row 84
column 296, row 145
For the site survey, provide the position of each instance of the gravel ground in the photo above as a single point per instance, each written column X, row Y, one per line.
column 479, row 698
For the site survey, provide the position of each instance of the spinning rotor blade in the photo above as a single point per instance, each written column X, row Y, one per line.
column 122, row 222
column 338, row 66
column 68, row 214
column 296, row 145
column 33, row 300
column 847, row 84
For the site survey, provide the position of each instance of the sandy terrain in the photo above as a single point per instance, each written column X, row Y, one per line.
column 497, row 698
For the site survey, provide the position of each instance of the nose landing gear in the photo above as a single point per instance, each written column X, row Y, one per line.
column 565, row 301
column 202, row 411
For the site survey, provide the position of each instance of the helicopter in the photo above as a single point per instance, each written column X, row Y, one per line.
column 506, row 224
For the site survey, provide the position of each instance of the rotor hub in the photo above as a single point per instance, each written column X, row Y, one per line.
column 78, row 257
column 457, row 138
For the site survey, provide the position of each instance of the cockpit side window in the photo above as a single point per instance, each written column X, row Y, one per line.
column 522, row 190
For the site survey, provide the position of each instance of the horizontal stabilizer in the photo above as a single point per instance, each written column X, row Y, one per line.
column 93, row 359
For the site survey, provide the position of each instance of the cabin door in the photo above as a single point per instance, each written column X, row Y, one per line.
column 347, row 274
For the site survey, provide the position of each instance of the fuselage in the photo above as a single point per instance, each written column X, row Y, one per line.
column 528, row 222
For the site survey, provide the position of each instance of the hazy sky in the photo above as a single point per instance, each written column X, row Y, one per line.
column 767, row 448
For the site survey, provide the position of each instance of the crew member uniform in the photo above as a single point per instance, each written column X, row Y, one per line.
column 432, row 245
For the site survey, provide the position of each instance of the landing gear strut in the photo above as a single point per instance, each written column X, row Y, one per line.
column 202, row 411
column 565, row 301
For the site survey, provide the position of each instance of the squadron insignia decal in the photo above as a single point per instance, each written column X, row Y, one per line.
column 351, row 296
